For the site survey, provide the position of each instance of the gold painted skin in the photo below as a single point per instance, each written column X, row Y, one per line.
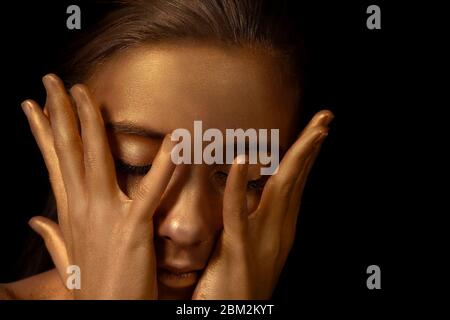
column 121, row 228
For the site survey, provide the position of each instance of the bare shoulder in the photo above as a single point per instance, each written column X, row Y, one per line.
column 43, row 286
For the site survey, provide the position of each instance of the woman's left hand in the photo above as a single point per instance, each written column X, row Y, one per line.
column 253, row 248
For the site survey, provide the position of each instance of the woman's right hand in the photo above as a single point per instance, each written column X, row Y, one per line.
column 101, row 230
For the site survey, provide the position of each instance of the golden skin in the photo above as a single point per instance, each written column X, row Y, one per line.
column 195, row 215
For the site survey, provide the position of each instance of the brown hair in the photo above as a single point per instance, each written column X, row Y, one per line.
column 264, row 24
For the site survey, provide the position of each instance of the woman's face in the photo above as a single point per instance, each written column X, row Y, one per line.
column 147, row 92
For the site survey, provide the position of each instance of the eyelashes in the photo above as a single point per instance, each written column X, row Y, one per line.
column 252, row 185
column 130, row 169
column 219, row 176
column 257, row 184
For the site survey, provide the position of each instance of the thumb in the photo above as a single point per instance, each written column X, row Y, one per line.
column 54, row 241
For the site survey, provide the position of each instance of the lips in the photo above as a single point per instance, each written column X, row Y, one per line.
column 178, row 277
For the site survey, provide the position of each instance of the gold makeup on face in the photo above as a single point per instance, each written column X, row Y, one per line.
column 227, row 65
column 133, row 149
column 145, row 97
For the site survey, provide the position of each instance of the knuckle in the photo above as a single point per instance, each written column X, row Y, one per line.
column 232, row 208
column 272, row 249
column 91, row 159
column 237, row 214
column 64, row 142
column 77, row 210
column 142, row 192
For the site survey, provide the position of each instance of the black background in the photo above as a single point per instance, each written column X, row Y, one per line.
column 350, row 211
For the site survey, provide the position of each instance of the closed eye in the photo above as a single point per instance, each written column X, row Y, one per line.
column 252, row 185
column 129, row 169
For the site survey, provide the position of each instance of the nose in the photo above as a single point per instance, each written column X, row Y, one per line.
column 189, row 212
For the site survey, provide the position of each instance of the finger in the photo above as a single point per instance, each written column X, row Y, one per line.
column 280, row 186
column 67, row 140
column 295, row 159
column 53, row 238
column 43, row 134
column 235, row 211
column 295, row 201
column 149, row 192
column 46, row 112
column 321, row 118
column 100, row 175
column 302, row 178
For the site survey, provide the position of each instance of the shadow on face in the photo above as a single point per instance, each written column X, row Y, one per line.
column 147, row 92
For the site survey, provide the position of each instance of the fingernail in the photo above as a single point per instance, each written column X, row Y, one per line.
column 328, row 119
column 77, row 93
column 32, row 223
column 26, row 107
column 49, row 81
column 240, row 159
column 46, row 80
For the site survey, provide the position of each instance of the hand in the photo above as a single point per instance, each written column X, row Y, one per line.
column 101, row 230
column 253, row 248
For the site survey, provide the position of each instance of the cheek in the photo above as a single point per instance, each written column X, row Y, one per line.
column 128, row 184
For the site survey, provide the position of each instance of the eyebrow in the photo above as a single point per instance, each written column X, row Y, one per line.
column 133, row 129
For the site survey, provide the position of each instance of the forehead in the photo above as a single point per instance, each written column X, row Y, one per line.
column 166, row 87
